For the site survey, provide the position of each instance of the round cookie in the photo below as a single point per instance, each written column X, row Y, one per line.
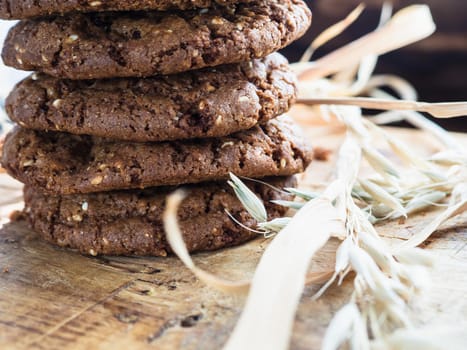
column 22, row 9
column 211, row 102
column 141, row 44
column 130, row 222
column 61, row 163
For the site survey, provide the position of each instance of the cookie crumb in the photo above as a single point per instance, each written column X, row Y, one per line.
column 210, row 87
column 28, row 163
column 322, row 154
column 226, row 144
column 77, row 217
column 16, row 215
column 56, row 103
column 92, row 252
column 217, row 21
column 97, row 180
column 72, row 38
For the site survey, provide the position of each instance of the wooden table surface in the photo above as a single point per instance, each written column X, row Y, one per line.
column 51, row 298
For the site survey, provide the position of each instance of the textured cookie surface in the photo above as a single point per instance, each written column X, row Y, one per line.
column 137, row 44
column 21, row 9
column 64, row 163
column 211, row 102
column 130, row 222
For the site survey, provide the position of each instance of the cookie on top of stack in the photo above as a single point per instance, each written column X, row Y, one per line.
column 132, row 99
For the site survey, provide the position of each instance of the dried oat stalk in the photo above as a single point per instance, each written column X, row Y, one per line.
column 386, row 278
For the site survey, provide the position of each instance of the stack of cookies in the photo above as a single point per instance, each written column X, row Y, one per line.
column 131, row 99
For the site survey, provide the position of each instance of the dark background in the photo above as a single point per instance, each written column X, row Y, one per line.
column 436, row 66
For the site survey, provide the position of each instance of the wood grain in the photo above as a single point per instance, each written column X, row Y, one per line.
column 53, row 299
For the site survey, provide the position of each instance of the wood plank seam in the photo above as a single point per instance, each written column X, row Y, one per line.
column 80, row 313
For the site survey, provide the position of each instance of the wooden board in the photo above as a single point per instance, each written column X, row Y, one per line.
column 53, row 299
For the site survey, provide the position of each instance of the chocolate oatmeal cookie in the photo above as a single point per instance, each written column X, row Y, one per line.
column 61, row 163
column 22, row 9
column 130, row 222
column 211, row 102
column 141, row 44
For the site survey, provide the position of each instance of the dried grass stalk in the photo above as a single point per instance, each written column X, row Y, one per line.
column 368, row 64
column 409, row 25
column 450, row 157
column 175, row 239
column 380, row 163
column 402, row 87
column 267, row 319
column 427, row 338
column 331, row 32
column 419, row 121
column 438, row 110
column 453, row 210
